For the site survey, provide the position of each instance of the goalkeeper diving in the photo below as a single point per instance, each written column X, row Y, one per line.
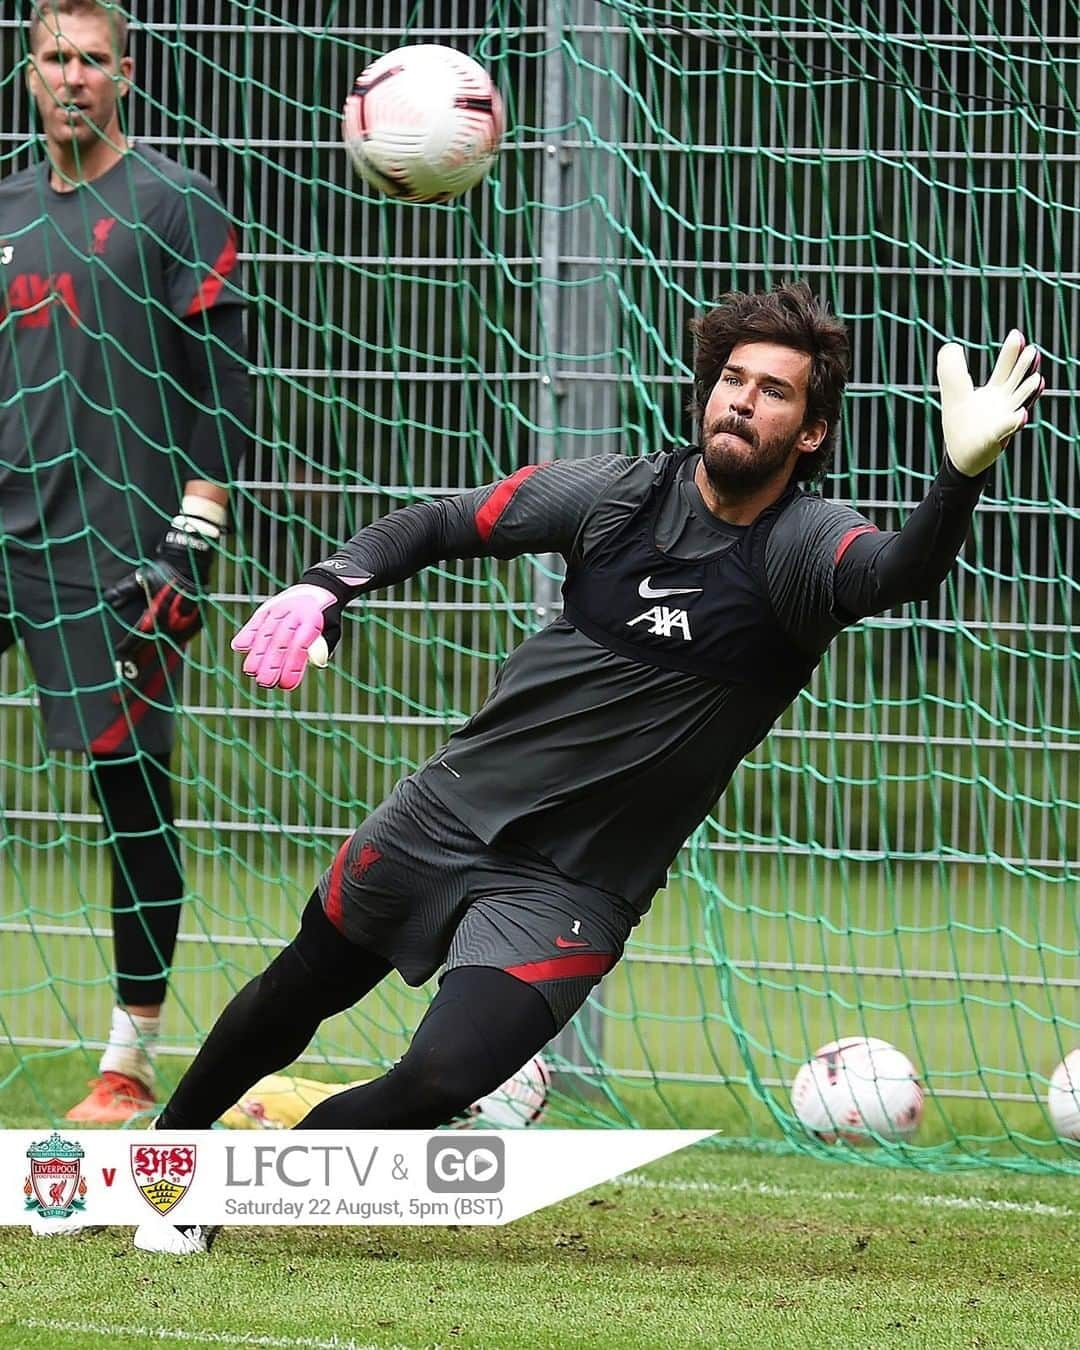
column 703, row 585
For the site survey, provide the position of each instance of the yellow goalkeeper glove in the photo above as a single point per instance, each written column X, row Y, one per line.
column 278, row 1102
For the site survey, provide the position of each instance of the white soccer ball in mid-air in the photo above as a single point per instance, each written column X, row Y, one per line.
column 858, row 1087
column 423, row 123
column 1063, row 1097
column 520, row 1101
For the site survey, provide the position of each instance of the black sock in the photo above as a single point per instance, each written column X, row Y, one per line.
column 135, row 797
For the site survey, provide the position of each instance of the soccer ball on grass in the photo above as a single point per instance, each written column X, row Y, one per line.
column 858, row 1087
column 1063, row 1097
column 423, row 123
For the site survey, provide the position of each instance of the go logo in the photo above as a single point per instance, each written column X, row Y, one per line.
column 474, row 1166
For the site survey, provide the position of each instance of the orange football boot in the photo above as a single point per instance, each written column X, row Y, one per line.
column 114, row 1098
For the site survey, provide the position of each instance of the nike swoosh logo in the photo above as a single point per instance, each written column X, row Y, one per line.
column 649, row 592
column 565, row 942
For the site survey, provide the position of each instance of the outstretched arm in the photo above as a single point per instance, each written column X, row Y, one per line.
column 876, row 571
column 539, row 509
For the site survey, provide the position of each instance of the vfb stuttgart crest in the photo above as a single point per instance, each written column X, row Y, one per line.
column 163, row 1172
column 55, row 1187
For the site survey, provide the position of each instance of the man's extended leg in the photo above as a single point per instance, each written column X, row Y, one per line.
column 512, row 981
column 481, row 1027
column 273, row 1018
column 265, row 1027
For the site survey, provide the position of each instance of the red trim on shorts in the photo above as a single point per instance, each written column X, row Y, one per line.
column 117, row 732
column 849, row 538
column 488, row 515
column 210, row 289
column 563, row 967
column 332, row 905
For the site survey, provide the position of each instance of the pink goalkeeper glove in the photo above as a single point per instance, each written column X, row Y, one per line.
column 300, row 625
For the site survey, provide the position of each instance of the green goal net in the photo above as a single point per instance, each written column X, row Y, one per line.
column 901, row 857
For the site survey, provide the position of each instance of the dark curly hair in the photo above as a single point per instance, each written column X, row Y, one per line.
column 792, row 316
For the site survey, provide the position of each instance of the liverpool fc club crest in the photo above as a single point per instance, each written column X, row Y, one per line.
column 163, row 1172
column 55, row 1187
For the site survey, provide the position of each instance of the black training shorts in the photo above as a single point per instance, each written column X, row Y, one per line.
column 70, row 637
column 415, row 886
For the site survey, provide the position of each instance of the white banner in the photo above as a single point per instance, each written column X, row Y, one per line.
column 318, row 1177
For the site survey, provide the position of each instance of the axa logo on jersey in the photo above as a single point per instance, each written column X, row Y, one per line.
column 30, row 297
column 664, row 622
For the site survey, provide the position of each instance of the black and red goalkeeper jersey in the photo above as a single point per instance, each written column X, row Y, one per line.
column 603, row 749
column 102, row 291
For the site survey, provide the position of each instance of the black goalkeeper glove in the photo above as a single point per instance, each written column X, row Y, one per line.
column 171, row 584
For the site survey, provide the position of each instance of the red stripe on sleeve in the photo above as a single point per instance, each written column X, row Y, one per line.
column 333, row 890
column 208, row 292
column 488, row 515
column 849, row 538
column 564, row 967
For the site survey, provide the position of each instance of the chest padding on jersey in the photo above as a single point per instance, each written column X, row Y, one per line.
column 710, row 616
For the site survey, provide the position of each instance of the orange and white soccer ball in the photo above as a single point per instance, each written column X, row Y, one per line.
column 858, row 1087
column 423, row 123
column 1063, row 1097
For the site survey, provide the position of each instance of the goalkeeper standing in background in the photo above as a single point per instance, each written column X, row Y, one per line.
column 123, row 412
column 702, row 588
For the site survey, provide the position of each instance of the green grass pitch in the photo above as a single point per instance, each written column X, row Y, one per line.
column 719, row 1245
column 711, row 1247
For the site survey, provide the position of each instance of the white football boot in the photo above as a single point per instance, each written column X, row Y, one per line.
column 158, row 1235
column 70, row 1227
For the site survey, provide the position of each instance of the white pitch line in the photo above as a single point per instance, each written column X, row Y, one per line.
column 113, row 1333
column 766, row 1188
